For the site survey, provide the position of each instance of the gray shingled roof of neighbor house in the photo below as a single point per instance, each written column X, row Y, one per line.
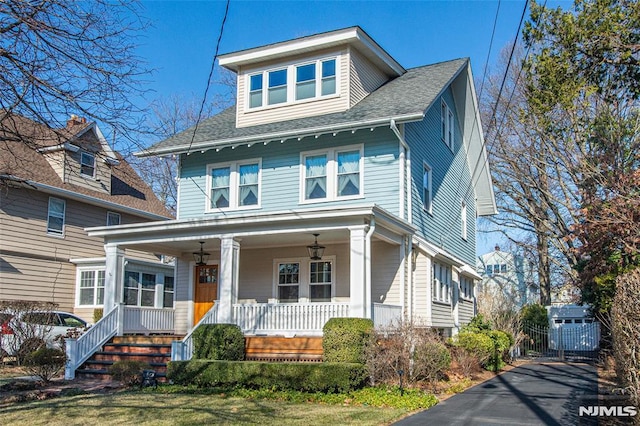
column 405, row 98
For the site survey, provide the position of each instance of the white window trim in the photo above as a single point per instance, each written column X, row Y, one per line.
column 441, row 290
column 55, row 233
column 291, row 84
column 304, row 283
column 332, row 174
column 463, row 219
column 469, row 284
column 426, row 167
column 109, row 213
column 79, row 272
column 234, row 185
column 447, row 117
column 82, row 154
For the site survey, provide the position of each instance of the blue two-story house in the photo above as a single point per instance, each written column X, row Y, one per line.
column 340, row 185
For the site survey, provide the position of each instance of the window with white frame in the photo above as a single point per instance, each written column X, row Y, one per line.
column 426, row 187
column 310, row 80
column 91, row 291
column 332, row 174
column 113, row 218
column 441, row 283
column 234, row 185
column 139, row 288
column 466, row 287
column 447, row 125
column 304, row 279
column 55, row 216
column 168, row 292
column 87, row 164
column 463, row 219
column 288, row 282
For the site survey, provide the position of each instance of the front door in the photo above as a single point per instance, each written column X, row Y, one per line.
column 206, row 290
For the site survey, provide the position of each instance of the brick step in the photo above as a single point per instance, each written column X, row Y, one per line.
column 92, row 364
column 140, row 348
column 147, row 340
column 119, row 356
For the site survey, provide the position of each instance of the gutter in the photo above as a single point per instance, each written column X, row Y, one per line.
column 268, row 137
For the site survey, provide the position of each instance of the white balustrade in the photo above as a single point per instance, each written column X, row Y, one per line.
column 147, row 320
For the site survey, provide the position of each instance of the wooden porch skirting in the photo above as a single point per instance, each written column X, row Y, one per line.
column 269, row 348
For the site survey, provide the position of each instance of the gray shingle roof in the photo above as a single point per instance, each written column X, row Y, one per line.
column 408, row 96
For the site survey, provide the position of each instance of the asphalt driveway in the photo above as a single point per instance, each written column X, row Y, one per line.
column 532, row 394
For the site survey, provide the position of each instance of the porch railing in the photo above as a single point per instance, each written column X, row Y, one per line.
column 287, row 318
column 182, row 350
column 80, row 349
column 386, row 315
column 148, row 320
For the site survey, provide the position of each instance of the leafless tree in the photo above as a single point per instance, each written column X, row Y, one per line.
column 59, row 58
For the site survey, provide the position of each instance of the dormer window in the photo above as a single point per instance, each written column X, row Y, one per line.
column 297, row 82
column 87, row 164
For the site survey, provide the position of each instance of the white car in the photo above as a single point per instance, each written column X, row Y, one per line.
column 26, row 331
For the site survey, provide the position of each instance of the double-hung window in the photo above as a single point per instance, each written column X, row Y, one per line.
column 332, row 174
column 320, row 280
column 292, row 83
column 234, row 185
column 426, row 187
column 113, row 218
column 447, row 124
column 87, row 164
column 441, row 283
column 55, row 217
column 288, row 282
column 139, row 288
column 91, row 288
column 304, row 280
column 169, row 290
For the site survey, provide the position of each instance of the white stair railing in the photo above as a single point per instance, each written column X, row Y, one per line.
column 80, row 349
column 182, row 350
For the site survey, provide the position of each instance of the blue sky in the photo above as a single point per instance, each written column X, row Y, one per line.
column 180, row 43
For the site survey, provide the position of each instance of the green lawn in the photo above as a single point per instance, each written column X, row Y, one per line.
column 126, row 408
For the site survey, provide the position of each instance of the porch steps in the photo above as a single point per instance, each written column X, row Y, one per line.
column 154, row 350
column 269, row 348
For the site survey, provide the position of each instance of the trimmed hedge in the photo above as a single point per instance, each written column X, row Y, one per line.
column 321, row 377
column 345, row 339
column 218, row 341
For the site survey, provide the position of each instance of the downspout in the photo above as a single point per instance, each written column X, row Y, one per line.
column 367, row 269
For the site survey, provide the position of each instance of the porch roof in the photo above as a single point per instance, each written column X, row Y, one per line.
column 290, row 227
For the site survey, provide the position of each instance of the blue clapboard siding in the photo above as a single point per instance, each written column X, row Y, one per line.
column 281, row 172
column 450, row 184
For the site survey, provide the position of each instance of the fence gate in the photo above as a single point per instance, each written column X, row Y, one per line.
column 564, row 342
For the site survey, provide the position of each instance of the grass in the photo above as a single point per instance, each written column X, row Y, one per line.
column 142, row 408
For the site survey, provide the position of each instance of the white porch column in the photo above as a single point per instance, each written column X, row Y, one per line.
column 113, row 277
column 228, row 284
column 357, row 291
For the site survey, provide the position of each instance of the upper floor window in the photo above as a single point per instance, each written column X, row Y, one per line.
column 55, row 217
column 447, row 125
column 496, row 269
column 87, row 164
column 332, row 174
column 234, row 185
column 293, row 83
column 426, row 187
column 113, row 218
column 463, row 219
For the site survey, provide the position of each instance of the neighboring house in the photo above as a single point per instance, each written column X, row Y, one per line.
column 332, row 141
column 507, row 277
column 53, row 184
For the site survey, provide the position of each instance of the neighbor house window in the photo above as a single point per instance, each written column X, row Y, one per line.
column 288, row 282
column 234, row 185
column 447, row 125
column 113, row 218
column 91, row 288
column 55, row 218
column 332, row 174
column 426, row 187
column 463, row 219
column 87, row 164
column 296, row 82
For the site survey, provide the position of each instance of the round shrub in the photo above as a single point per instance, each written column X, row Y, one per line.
column 478, row 344
column 431, row 360
column 218, row 341
column 345, row 339
column 45, row 363
column 128, row 372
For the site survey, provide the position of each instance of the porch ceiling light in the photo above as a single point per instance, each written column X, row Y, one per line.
column 201, row 256
column 315, row 250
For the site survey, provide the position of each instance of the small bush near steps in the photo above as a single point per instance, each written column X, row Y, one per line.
column 127, row 372
column 45, row 363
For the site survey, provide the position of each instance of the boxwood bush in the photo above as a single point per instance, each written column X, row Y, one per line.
column 308, row 377
column 345, row 339
column 218, row 341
